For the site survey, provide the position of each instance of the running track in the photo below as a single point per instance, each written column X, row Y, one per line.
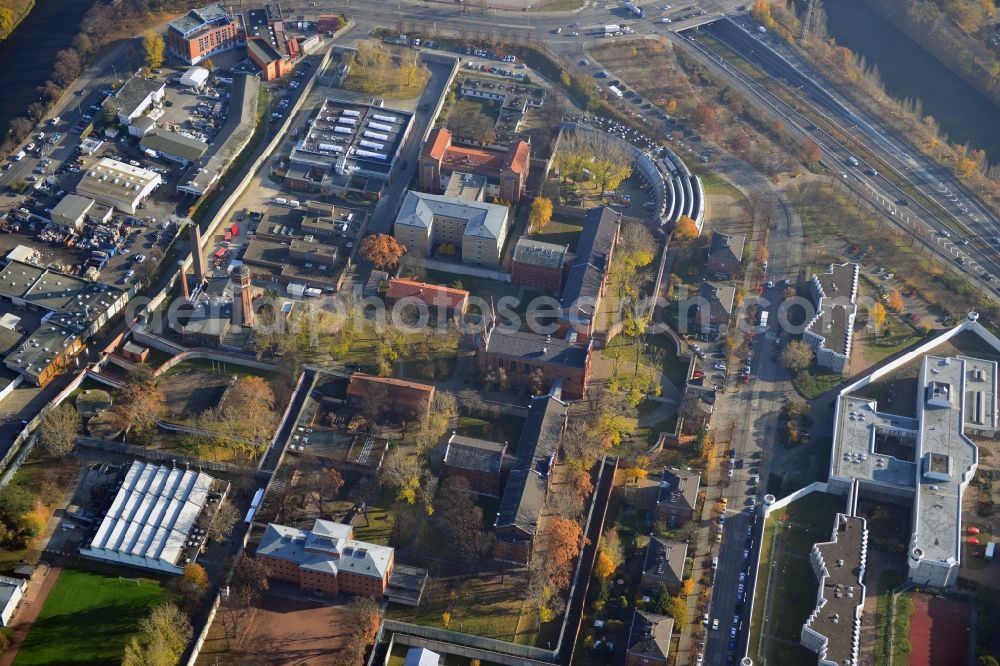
column 939, row 632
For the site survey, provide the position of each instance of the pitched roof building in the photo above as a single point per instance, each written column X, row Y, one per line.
column 588, row 272
column 715, row 306
column 678, row 496
column 528, row 482
column 725, row 254
column 477, row 460
column 523, row 355
column 326, row 559
column 449, row 301
column 150, row 520
column 397, row 396
column 664, row 565
column 425, row 221
column 506, row 171
column 135, row 96
column 648, row 639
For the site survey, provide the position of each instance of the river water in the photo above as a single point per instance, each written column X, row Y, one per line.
column 908, row 71
column 29, row 53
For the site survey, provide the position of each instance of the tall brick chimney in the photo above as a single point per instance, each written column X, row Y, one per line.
column 199, row 259
column 184, row 280
column 243, row 299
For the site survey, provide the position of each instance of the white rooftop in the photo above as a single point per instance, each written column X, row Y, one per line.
column 151, row 517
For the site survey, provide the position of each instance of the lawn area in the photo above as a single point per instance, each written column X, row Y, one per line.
column 87, row 619
column 482, row 606
column 786, row 584
column 887, row 582
column 558, row 6
column 659, row 354
column 561, row 231
column 816, row 380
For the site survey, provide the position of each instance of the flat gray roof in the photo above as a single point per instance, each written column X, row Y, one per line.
column 537, row 253
column 175, row 144
column 354, row 137
column 842, row 590
column 938, row 510
column 954, row 393
column 134, row 92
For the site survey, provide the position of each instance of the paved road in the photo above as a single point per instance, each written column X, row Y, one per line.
column 746, row 421
column 979, row 257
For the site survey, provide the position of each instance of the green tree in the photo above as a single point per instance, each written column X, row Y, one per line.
column 153, row 48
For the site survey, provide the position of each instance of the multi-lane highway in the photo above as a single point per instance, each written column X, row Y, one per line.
column 973, row 250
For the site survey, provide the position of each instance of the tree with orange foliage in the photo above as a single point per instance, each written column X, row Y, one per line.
column 687, row 587
column 896, row 303
column 704, row 114
column 811, row 152
column 363, row 620
column 563, row 541
column 604, row 567
column 382, row 250
column 685, row 229
column 583, row 485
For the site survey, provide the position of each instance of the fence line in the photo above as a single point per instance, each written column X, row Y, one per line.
column 157, row 455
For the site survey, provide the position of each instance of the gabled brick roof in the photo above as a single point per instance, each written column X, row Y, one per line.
column 518, row 156
column 437, row 143
column 432, row 294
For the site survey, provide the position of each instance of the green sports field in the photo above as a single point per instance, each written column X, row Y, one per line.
column 87, row 619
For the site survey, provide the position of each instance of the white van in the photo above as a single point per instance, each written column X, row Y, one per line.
column 293, row 204
column 281, row 201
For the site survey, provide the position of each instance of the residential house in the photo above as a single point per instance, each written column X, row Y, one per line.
column 725, row 255
column 678, row 497
column 648, row 639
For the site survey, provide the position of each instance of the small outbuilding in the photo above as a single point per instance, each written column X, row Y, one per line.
column 196, row 77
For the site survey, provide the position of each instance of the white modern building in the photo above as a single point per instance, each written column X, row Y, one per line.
column 924, row 458
column 117, row 184
column 831, row 330
column 151, row 520
column 833, row 630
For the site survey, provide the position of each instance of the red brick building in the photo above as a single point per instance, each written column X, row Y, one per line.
column 539, row 265
column 678, row 497
column 326, row 560
column 451, row 302
column 522, row 356
column 506, row 172
column 399, row 397
column 202, row 33
column 725, row 256
column 478, row 461
column 273, row 65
